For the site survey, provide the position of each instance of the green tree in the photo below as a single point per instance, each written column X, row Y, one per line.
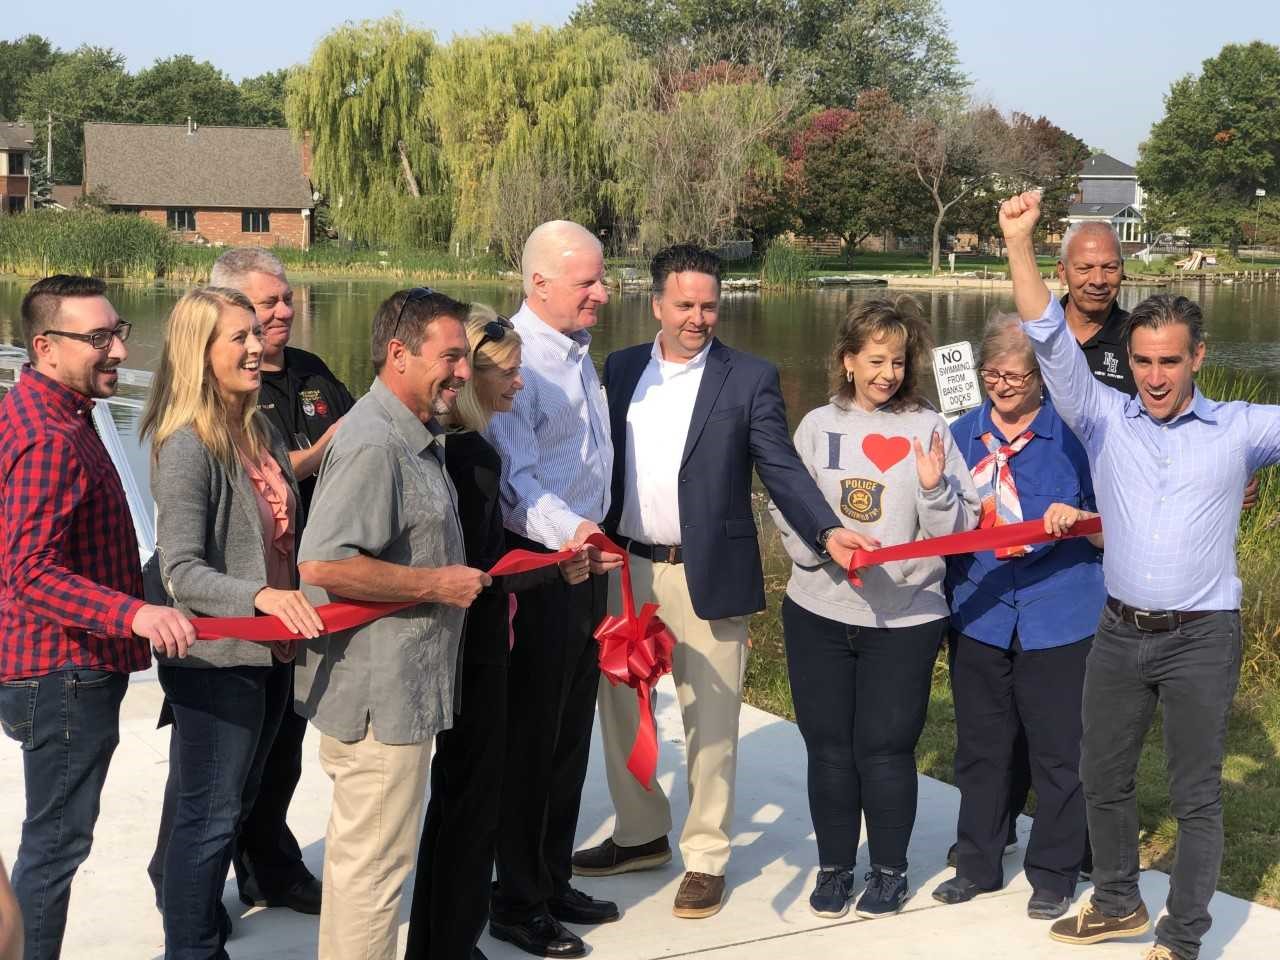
column 262, row 99
column 173, row 89
column 516, row 112
column 20, row 60
column 362, row 98
column 839, row 181
column 844, row 46
column 1218, row 141
column 87, row 84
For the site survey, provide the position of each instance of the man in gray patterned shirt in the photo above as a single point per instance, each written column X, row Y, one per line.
column 384, row 527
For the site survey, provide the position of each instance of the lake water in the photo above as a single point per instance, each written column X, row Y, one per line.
column 794, row 331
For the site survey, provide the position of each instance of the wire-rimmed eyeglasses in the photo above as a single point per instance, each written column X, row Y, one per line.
column 1015, row 380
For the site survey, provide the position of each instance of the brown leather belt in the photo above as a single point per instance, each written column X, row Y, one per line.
column 656, row 553
column 1154, row 621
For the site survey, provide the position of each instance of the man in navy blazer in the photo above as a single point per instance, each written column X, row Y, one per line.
column 689, row 419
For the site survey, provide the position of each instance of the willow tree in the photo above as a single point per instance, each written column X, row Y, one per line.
column 689, row 138
column 362, row 100
column 514, row 114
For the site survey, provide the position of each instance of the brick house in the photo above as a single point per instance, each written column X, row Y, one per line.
column 15, row 166
column 220, row 185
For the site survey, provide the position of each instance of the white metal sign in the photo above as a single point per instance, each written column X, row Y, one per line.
column 957, row 381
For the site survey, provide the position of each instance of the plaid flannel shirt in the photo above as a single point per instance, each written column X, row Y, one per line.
column 70, row 577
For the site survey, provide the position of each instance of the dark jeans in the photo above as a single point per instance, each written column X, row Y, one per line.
column 1192, row 672
column 68, row 723
column 266, row 849
column 860, row 696
column 551, row 706
column 455, row 858
column 997, row 692
column 222, row 733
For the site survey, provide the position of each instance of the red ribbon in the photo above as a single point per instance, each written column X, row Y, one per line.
column 635, row 649
column 973, row 541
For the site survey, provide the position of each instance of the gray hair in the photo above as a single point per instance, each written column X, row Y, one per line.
column 1163, row 310
column 548, row 244
column 1002, row 335
column 1081, row 226
column 233, row 267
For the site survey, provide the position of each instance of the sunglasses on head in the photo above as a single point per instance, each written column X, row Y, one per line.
column 494, row 331
column 413, row 296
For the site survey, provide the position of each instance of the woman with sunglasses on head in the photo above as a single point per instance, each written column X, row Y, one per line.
column 455, row 858
column 1022, row 620
column 226, row 515
column 860, row 658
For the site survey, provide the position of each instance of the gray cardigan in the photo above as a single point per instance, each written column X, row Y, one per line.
column 209, row 542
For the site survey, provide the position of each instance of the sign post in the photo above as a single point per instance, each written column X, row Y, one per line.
column 958, row 387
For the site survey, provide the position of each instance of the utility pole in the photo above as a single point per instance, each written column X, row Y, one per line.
column 48, row 146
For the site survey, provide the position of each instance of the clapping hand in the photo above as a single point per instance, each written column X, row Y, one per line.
column 930, row 465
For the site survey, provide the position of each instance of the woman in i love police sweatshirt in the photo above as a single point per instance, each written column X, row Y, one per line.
column 861, row 658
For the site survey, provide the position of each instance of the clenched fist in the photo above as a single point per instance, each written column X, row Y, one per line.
column 456, row 585
column 1018, row 215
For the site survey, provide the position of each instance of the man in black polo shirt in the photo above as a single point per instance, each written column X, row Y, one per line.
column 1091, row 267
column 305, row 401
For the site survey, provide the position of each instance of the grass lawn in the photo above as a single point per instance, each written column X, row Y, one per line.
column 1251, row 772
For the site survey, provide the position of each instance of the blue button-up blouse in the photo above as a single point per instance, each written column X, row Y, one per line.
column 1054, row 595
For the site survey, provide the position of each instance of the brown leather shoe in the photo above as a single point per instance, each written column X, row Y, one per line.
column 609, row 859
column 700, row 896
column 1090, row 925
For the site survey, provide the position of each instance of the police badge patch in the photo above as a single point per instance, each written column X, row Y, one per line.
column 860, row 499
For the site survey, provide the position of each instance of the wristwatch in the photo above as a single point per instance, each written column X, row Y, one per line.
column 823, row 537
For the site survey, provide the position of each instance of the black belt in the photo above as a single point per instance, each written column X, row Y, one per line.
column 657, row 553
column 1151, row 621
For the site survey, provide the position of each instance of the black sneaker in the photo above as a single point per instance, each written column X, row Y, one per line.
column 885, row 894
column 832, row 893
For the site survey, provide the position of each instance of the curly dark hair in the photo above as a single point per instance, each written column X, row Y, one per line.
column 876, row 319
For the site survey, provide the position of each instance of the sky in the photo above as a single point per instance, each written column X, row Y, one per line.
column 1098, row 68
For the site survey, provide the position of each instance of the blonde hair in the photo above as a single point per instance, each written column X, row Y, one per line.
column 469, row 412
column 184, row 392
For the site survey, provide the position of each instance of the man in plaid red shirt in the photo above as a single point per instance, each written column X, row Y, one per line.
column 72, row 626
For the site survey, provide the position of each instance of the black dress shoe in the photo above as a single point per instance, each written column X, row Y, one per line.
column 302, row 897
column 542, row 936
column 574, row 906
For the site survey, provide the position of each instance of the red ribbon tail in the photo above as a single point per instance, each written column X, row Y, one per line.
column 643, row 762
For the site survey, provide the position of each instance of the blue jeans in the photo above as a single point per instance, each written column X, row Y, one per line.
column 1192, row 672
column 225, row 720
column 68, row 723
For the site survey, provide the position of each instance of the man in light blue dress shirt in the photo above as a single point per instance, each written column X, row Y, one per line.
column 1169, row 469
column 557, row 466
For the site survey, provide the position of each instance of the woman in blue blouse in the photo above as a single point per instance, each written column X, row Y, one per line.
column 1022, row 624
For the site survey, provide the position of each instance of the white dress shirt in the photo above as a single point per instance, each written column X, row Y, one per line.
column 657, row 427
column 557, row 455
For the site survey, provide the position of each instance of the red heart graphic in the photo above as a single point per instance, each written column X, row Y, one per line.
column 884, row 452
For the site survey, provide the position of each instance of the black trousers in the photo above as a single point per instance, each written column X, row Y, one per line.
column 455, row 857
column 551, row 706
column 998, row 691
column 266, row 848
column 861, row 695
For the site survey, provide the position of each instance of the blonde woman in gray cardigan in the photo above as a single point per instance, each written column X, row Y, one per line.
column 226, row 514
column 860, row 658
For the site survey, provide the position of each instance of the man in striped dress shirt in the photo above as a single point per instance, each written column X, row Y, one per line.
column 557, row 466
column 72, row 626
column 1169, row 469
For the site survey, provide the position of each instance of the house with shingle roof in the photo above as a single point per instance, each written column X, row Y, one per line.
column 16, row 141
column 229, row 186
column 1110, row 193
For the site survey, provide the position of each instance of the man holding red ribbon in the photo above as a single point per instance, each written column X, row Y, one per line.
column 690, row 417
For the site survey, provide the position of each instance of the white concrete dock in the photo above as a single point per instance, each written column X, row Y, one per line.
column 765, row 915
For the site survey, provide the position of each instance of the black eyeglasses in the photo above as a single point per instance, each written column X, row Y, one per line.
column 494, row 331
column 99, row 339
column 1015, row 380
column 414, row 295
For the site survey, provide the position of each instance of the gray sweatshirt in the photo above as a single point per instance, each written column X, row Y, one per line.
column 865, row 465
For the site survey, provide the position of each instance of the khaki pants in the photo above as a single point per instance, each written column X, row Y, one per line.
column 708, row 665
column 370, row 844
